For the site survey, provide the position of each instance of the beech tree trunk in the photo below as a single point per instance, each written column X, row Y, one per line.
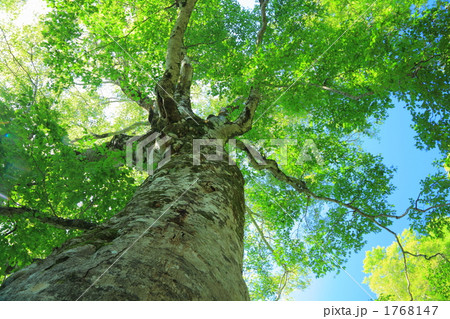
column 179, row 238
column 181, row 235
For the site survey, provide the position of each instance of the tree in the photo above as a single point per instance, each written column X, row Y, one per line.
column 430, row 276
column 316, row 74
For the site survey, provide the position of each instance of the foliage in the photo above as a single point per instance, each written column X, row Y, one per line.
column 447, row 165
column 328, row 71
column 439, row 281
column 430, row 279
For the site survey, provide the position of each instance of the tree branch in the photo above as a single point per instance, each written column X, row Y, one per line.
column 282, row 285
column 405, row 265
column 243, row 123
column 418, row 65
column 260, row 231
column 14, row 57
column 285, row 276
column 263, row 4
column 105, row 135
column 132, row 29
column 141, row 99
column 165, row 88
column 227, row 110
column 352, row 97
column 427, row 257
column 11, row 231
column 183, row 89
column 204, row 43
column 245, row 119
column 57, row 222
column 263, row 163
column 327, row 88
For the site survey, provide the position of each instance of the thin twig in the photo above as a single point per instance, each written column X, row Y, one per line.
column 14, row 57
column 131, row 30
column 301, row 187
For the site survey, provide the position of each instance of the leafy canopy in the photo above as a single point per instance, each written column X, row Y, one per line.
column 430, row 279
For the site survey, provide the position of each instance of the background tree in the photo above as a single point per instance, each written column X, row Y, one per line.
column 322, row 74
column 429, row 277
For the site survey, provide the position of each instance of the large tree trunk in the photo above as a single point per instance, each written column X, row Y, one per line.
column 179, row 238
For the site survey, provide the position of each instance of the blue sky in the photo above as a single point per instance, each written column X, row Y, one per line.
column 396, row 144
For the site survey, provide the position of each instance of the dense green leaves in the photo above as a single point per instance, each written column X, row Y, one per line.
column 41, row 169
column 429, row 278
column 327, row 71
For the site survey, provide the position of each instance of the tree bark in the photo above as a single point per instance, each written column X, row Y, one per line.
column 179, row 238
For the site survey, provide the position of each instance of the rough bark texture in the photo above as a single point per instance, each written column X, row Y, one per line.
column 193, row 251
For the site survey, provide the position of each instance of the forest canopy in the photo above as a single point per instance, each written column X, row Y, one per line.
column 80, row 81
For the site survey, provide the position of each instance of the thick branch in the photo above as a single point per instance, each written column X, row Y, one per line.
column 245, row 119
column 183, row 89
column 227, row 110
column 263, row 4
column 58, row 222
column 300, row 185
column 175, row 45
column 105, row 135
column 244, row 122
column 165, row 88
column 186, row 72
